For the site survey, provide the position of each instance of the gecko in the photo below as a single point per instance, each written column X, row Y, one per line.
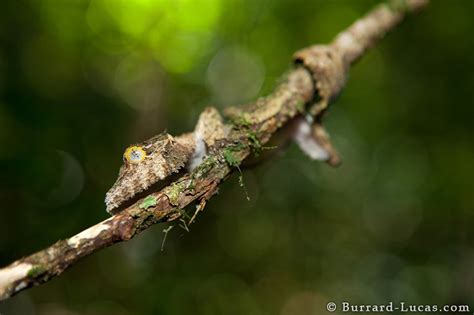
column 156, row 159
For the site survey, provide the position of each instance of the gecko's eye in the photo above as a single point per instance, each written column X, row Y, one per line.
column 134, row 154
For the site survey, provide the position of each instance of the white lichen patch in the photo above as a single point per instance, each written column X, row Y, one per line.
column 90, row 233
column 304, row 138
column 199, row 153
column 13, row 273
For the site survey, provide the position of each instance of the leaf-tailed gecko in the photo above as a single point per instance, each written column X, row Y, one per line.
column 155, row 159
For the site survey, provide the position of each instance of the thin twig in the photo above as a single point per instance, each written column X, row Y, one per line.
column 165, row 232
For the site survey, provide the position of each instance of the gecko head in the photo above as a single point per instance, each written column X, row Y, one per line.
column 144, row 164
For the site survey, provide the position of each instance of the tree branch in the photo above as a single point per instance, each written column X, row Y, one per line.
column 320, row 73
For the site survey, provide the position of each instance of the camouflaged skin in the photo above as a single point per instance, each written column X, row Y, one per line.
column 165, row 155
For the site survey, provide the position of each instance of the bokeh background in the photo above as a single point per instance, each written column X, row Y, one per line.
column 82, row 79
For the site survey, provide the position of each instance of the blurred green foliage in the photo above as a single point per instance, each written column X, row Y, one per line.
column 80, row 80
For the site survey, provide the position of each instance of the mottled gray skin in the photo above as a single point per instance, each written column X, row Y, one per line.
column 165, row 155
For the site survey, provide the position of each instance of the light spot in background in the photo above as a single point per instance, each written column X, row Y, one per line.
column 181, row 52
column 235, row 75
column 139, row 82
column 185, row 33
column 136, row 17
column 71, row 180
column 107, row 34
column 177, row 33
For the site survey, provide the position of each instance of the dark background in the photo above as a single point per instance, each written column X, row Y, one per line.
column 81, row 80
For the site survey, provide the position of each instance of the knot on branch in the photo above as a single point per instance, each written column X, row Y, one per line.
column 328, row 70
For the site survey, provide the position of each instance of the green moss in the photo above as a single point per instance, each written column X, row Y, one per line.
column 175, row 191
column 229, row 153
column 241, row 122
column 233, row 161
column 254, row 142
column 204, row 167
column 191, row 185
column 230, row 157
column 36, row 271
column 148, row 202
